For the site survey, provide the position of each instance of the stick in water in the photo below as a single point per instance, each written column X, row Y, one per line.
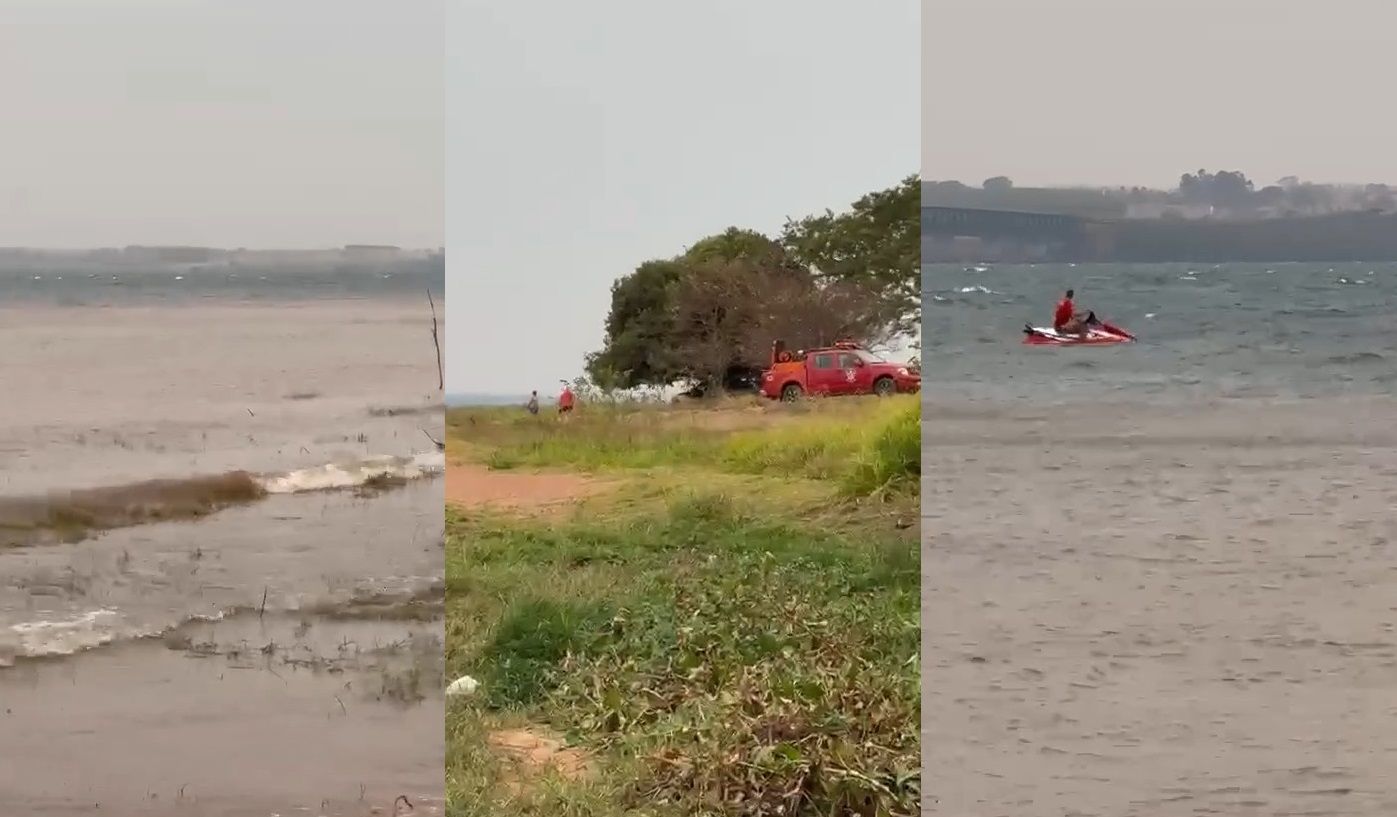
column 441, row 375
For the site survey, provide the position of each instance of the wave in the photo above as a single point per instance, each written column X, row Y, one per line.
column 409, row 598
column 75, row 515
column 1354, row 358
column 365, row 473
column 46, row 639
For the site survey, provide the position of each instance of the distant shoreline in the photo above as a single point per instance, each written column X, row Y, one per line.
column 467, row 399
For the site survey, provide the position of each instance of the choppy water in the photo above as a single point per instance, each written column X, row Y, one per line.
column 86, row 287
column 1231, row 330
column 316, row 385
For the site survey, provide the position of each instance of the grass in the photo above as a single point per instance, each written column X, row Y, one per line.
column 838, row 440
column 734, row 631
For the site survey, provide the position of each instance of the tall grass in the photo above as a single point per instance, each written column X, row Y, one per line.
column 892, row 460
column 866, row 445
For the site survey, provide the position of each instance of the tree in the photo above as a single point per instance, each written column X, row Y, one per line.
column 709, row 316
column 998, row 184
column 638, row 329
column 729, row 312
column 1271, row 196
column 875, row 244
column 1379, row 197
column 1229, row 189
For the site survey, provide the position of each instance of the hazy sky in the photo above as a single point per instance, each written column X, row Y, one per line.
column 1140, row 91
column 585, row 138
column 257, row 123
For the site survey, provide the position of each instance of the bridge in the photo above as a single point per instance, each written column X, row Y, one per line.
column 949, row 222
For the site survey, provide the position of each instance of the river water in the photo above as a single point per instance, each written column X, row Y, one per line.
column 1282, row 330
column 1135, row 556
column 233, row 473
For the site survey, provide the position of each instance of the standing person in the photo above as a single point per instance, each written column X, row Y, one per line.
column 532, row 405
column 565, row 400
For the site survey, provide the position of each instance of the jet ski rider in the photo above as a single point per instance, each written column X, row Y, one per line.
column 1067, row 320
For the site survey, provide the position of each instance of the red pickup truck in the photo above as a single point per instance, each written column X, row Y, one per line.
column 841, row 369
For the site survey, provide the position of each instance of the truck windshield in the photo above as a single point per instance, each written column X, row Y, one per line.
column 869, row 357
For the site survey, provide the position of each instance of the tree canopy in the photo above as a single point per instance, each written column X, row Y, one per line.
column 709, row 315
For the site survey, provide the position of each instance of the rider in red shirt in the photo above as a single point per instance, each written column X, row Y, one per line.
column 565, row 400
column 1066, row 321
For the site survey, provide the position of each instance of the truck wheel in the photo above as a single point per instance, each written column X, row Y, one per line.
column 884, row 386
column 790, row 393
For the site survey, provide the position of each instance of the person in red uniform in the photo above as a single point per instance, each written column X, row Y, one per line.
column 565, row 400
column 1066, row 320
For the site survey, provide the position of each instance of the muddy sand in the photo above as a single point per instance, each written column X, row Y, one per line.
column 1133, row 611
column 473, row 486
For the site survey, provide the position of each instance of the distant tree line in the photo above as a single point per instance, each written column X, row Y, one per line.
column 1224, row 193
column 709, row 315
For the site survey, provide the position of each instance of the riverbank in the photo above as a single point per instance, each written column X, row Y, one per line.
column 671, row 609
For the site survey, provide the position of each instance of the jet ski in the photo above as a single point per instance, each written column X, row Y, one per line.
column 1099, row 333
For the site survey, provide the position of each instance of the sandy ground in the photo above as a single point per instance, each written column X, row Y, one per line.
column 474, row 486
column 1134, row 612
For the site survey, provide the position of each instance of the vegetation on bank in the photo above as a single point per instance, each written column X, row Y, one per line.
column 730, row 628
column 709, row 315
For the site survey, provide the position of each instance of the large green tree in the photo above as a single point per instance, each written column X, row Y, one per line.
column 876, row 243
column 713, row 311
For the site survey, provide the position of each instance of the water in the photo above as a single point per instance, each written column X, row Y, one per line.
column 113, row 285
column 304, row 623
column 1288, row 331
column 309, row 384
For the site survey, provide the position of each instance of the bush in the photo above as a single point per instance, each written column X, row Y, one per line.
column 892, row 461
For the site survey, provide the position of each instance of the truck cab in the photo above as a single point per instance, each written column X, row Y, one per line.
column 842, row 369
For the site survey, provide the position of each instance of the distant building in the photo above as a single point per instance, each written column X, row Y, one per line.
column 372, row 253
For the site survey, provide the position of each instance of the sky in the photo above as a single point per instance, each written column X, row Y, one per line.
column 586, row 138
column 255, row 123
column 1126, row 92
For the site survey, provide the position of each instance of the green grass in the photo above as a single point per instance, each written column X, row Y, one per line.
column 734, row 634
column 827, row 439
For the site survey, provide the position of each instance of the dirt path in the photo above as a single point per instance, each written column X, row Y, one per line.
column 474, row 486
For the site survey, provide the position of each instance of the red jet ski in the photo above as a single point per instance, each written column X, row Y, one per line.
column 1099, row 333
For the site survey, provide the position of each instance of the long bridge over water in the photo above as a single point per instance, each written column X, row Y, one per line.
column 992, row 224
column 966, row 234
column 1008, row 233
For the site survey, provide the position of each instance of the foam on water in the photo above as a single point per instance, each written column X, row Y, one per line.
column 357, row 473
column 44, row 638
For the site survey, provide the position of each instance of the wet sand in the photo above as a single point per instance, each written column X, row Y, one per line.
column 1134, row 611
